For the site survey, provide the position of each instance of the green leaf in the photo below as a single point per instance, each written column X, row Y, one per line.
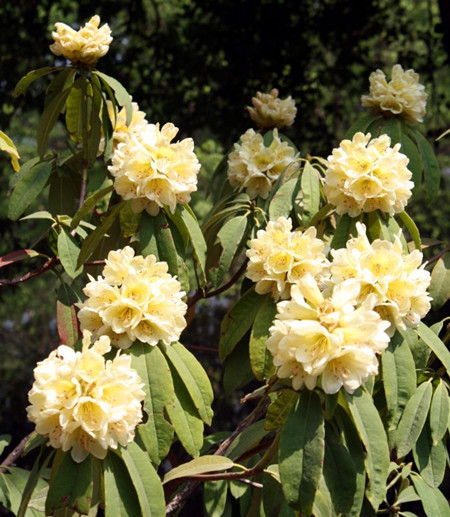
column 95, row 121
column 415, row 161
column 24, row 83
column 165, row 243
column 187, row 224
column 231, row 237
column 70, row 486
column 399, row 379
column 279, row 409
column 283, row 199
column 215, row 497
column 147, row 236
column 439, row 412
column 145, row 480
column 412, row 229
column 432, row 499
column 201, row 465
column 238, row 320
column 151, row 365
column 183, row 415
column 237, row 370
column 7, row 145
column 89, row 205
column 436, row 345
column 261, row 359
column 431, row 169
column 93, row 239
column 28, row 188
column 371, row 431
column 194, row 378
column 339, row 473
column 120, row 496
column 74, row 108
column 310, row 184
column 66, row 317
column 48, row 119
column 440, row 282
column 357, row 455
column 68, row 252
column 39, row 466
column 247, row 440
column 323, row 505
column 301, row 452
column 430, row 458
column 345, row 227
column 361, row 125
column 122, row 96
column 63, row 193
column 413, row 419
column 15, row 480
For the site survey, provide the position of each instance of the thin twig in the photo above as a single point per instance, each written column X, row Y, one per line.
column 202, row 348
column 15, row 453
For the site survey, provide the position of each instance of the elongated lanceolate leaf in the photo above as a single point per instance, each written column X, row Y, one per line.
column 371, row 431
column 279, row 409
column 238, row 320
column 412, row 229
column 49, row 118
column 201, row 465
column 68, row 252
column 430, row 458
column 440, row 282
column 361, row 125
column 283, row 199
column 70, row 486
column 310, row 184
column 436, row 345
column 89, row 205
column 413, row 419
column 261, row 359
column 152, row 367
column 346, row 226
column 145, row 480
column 432, row 499
column 431, row 169
column 120, row 496
column 16, row 256
column 122, row 96
column 29, row 186
column 231, row 236
column 215, row 497
column 66, row 318
column 439, row 412
column 24, row 83
column 194, row 378
column 301, row 452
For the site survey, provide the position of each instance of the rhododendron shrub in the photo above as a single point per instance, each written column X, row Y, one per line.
column 326, row 332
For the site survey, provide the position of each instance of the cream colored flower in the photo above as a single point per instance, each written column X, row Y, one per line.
column 397, row 280
column 270, row 112
column 154, row 172
column 403, row 95
column 254, row 167
column 136, row 298
column 82, row 402
column 364, row 175
column 85, row 46
column 315, row 335
column 279, row 257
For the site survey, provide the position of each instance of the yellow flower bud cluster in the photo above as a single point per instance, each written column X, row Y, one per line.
column 136, row 298
column 152, row 171
column 84, row 403
column 270, row 112
column 85, row 46
column 403, row 95
column 278, row 257
column 397, row 279
column 255, row 167
column 364, row 175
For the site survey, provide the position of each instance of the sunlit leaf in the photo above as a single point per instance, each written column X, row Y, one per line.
column 260, row 357
column 201, row 465
column 439, row 412
column 68, row 252
column 436, row 345
column 432, row 499
column 279, row 409
column 430, row 458
column 440, row 282
column 120, row 496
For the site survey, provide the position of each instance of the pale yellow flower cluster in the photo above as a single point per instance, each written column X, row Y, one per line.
column 316, row 335
column 397, row 280
column 84, row 403
column 119, row 122
column 136, row 298
column 254, row 167
column 85, row 46
column 364, row 175
column 270, row 112
column 152, row 171
column 278, row 257
column 403, row 95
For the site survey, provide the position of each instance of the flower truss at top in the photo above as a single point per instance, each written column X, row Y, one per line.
column 403, row 95
column 255, row 167
column 84, row 403
column 364, row 175
column 85, row 46
column 136, row 298
column 270, row 112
